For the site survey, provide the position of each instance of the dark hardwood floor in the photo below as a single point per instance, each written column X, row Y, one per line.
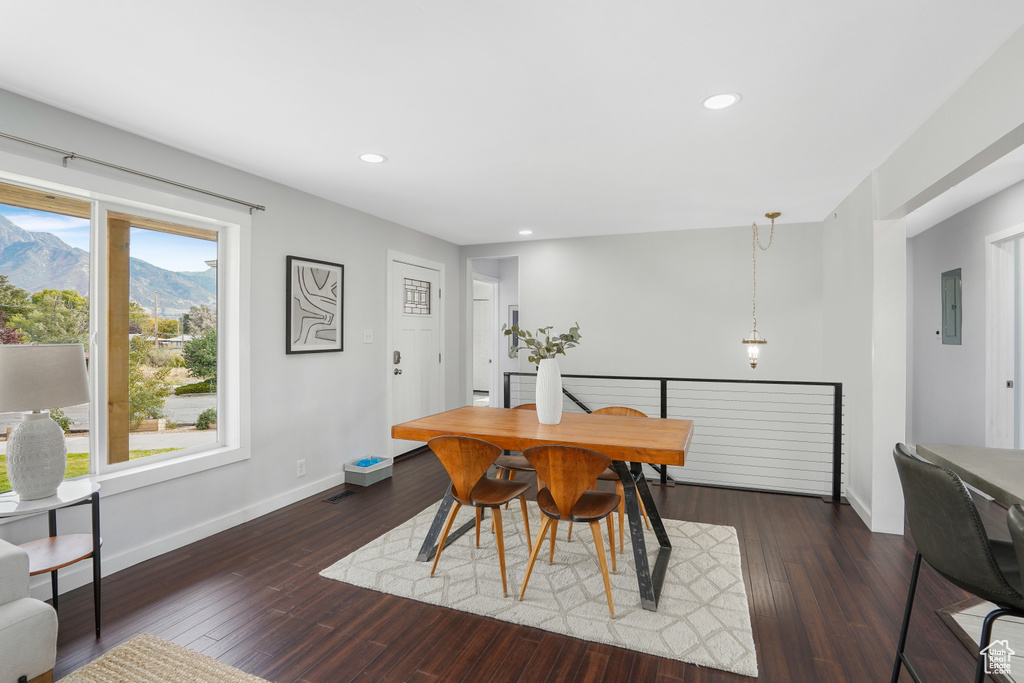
column 826, row 598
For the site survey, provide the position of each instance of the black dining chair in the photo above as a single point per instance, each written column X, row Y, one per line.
column 950, row 536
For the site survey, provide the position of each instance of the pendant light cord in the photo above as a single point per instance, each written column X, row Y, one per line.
column 756, row 242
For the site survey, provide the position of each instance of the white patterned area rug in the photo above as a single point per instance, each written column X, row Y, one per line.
column 702, row 616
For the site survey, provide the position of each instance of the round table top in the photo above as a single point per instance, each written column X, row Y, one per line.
column 68, row 493
column 57, row 552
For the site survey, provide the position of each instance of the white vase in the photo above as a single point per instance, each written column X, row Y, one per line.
column 549, row 392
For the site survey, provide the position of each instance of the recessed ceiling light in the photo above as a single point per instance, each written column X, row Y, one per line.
column 526, row 232
column 721, row 101
column 372, row 158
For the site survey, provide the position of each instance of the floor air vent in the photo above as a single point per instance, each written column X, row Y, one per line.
column 336, row 498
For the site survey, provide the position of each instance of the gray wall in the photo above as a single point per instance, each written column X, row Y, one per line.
column 676, row 303
column 948, row 382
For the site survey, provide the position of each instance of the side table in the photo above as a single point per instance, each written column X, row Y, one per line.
column 48, row 555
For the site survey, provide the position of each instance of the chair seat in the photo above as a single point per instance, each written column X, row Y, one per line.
column 513, row 462
column 609, row 475
column 494, row 492
column 592, row 506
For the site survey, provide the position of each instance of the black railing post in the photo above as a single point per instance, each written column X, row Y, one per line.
column 837, row 444
column 664, row 415
column 508, row 390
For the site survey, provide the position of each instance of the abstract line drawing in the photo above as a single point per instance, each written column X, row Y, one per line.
column 315, row 306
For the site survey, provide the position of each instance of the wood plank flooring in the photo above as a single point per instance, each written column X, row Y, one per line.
column 826, row 599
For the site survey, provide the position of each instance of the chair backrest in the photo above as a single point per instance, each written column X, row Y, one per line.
column 947, row 528
column 1015, row 521
column 466, row 460
column 525, row 406
column 619, row 410
column 567, row 471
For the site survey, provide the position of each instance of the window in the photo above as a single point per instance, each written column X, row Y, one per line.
column 162, row 337
column 162, row 328
column 44, row 295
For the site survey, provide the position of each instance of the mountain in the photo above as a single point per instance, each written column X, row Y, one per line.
column 41, row 260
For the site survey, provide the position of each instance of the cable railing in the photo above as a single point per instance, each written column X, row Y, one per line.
column 761, row 435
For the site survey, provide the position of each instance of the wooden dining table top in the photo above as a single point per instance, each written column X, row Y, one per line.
column 634, row 439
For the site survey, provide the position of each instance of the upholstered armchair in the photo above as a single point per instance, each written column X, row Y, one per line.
column 28, row 627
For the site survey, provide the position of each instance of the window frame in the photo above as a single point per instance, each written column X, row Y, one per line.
column 233, row 300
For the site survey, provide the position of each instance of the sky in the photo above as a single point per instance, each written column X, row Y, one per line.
column 172, row 252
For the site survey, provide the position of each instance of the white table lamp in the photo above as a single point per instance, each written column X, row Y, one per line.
column 38, row 378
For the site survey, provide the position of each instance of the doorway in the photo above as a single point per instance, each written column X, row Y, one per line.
column 415, row 363
column 485, row 303
column 492, row 294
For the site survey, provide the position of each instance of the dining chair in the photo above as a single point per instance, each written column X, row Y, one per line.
column 611, row 475
column 568, row 473
column 510, row 463
column 950, row 536
column 467, row 461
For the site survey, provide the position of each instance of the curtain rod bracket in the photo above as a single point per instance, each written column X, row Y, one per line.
column 65, row 161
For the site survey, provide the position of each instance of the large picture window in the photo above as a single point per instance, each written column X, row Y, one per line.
column 153, row 330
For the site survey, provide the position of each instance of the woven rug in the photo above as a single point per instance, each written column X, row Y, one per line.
column 148, row 659
column 702, row 616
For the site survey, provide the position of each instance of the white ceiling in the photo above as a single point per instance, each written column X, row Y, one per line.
column 578, row 117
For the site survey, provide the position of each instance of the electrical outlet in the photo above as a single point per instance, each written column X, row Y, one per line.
column 367, row 336
column 300, row 468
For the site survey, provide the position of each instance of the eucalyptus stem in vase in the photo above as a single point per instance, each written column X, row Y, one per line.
column 542, row 349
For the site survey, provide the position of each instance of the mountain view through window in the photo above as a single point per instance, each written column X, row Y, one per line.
column 45, row 265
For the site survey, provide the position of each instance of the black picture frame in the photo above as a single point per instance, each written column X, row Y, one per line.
column 315, row 306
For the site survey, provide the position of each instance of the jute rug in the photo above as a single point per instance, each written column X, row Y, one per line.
column 702, row 617
column 148, row 659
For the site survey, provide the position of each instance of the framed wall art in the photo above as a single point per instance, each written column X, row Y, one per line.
column 315, row 315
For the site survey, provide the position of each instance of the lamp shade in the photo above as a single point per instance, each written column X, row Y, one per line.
column 41, row 377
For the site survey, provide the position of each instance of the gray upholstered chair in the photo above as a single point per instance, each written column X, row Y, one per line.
column 28, row 627
column 950, row 536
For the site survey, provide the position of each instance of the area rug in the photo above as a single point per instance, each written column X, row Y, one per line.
column 148, row 659
column 702, row 616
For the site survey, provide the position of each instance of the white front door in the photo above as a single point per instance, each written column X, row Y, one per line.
column 415, row 360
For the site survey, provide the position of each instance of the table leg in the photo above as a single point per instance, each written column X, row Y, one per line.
column 649, row 584
column 52, row 518
column 429, row 547
column 96, row 543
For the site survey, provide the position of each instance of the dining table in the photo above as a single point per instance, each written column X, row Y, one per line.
column 628, row 441
column 996, row 472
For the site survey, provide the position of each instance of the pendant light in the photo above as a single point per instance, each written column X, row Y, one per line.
column 754, row 341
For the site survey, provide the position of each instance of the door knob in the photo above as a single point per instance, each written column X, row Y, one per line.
column 398, row 371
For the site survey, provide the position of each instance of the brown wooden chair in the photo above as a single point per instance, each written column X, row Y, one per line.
column 510, row 463
column 610, row 474
column 569, row 472
column 467, row 461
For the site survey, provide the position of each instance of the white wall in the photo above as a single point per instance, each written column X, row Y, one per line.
column 676, row 303
column 980, row 122
column 847, row 287
column 327, row 408
column 948, row 390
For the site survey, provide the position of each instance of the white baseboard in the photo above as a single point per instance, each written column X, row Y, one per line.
column 859, row 507
column 81, row 574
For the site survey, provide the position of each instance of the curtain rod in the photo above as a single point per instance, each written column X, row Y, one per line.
column 72, row 155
